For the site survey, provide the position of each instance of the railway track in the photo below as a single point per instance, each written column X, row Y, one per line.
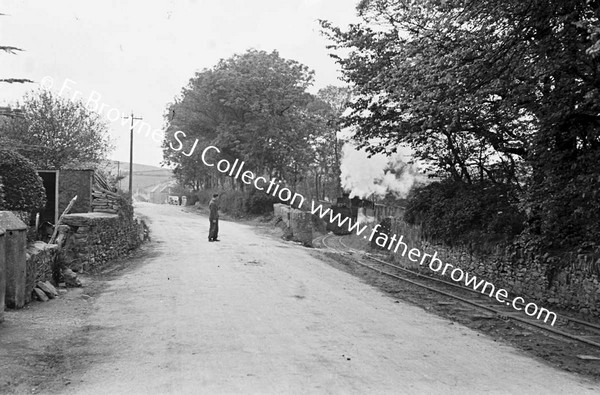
column 462, row 300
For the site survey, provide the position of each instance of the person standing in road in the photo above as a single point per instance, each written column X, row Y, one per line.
column 213, row 217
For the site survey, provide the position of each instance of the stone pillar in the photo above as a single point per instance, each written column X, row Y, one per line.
column 2, row 274
column 301, row 224
column 15, row 239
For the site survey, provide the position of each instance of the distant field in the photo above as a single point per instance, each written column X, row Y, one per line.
column 144, row 176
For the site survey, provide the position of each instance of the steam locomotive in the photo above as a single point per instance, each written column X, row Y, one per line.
column 356, row 208
column 347, row 208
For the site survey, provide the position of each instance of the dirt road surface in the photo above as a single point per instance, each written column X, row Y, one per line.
column 253, row 314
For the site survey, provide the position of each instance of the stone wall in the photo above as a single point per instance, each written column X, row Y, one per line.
column 573, row 288
column 93, row 239
column 282, row 211
column 301, row 224
column 298, row 223
column 41, row 261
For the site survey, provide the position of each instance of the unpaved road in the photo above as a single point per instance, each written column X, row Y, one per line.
column 252, row 314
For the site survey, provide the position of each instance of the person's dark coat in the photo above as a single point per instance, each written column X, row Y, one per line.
column 213, row 217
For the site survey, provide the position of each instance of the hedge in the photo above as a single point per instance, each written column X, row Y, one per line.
column 23, row 189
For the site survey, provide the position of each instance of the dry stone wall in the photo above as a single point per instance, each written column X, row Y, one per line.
column 298, row 223
column 571, row 289
column 41, row 261
column 93, row 239
column 282, row 211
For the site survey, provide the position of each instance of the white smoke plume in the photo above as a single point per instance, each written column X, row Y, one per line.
column 363, row 176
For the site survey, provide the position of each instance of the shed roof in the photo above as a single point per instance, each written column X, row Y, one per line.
column 10, row 222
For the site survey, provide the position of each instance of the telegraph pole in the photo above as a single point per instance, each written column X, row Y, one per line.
column 119, row 172
column 131, row 153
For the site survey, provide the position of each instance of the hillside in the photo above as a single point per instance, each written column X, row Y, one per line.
column 144, row 176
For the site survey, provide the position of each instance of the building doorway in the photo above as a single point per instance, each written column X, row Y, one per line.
column 50, row 212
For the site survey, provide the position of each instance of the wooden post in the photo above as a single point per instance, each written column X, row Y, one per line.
column 71, row 203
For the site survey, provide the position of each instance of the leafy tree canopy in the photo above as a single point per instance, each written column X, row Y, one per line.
column 253, row 106
column 468, row 83
column 57, row 133
column 506, row 91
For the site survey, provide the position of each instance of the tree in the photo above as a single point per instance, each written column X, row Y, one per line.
column 413, row 69
column 255, row 108
column 505, row 91
column 193, row 117
column 57, row 133
column 328, row 147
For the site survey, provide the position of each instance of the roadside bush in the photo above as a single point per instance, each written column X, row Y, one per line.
column 230, row 202
column 191, row 199
column 385, row 228
column 459, row 213
column 563, row 199
column 259, row 202
column 23, row 188
column 239, row 203
column 126, row 205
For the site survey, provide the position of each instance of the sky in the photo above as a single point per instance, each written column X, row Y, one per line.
column 120, row 56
